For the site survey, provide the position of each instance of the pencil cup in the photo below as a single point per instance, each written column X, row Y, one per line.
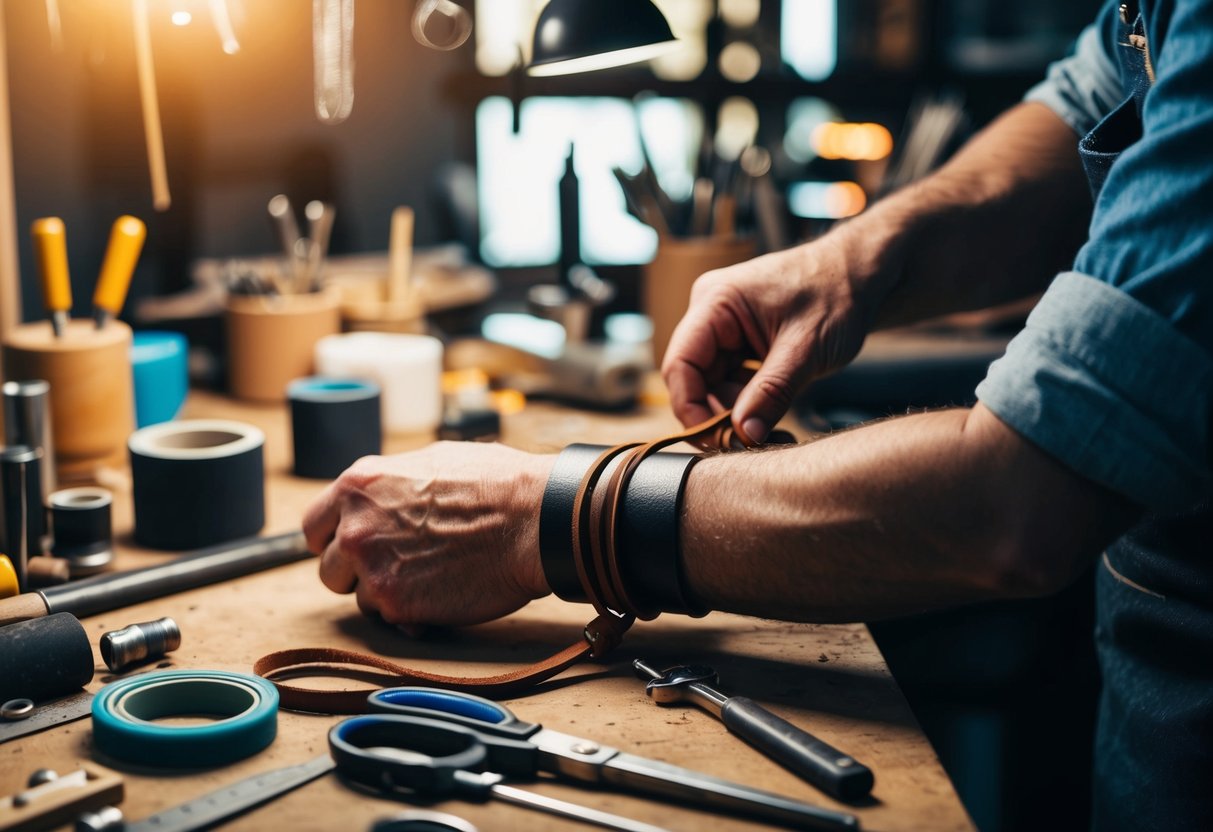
column 92, row 397
column 270, row 340
column 678, row 263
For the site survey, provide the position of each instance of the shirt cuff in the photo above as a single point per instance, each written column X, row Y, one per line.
column 1112, row 390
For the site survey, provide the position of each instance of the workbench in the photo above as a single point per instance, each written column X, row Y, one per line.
column 830, row 680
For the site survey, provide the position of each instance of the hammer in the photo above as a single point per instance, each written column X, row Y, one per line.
column 815, row 760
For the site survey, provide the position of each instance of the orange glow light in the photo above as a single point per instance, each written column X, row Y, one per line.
column 840, row 140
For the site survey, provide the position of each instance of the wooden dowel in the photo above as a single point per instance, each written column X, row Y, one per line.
column 10, row 272
column 152, row 129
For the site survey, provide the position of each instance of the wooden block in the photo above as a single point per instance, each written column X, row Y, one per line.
column 61, row 800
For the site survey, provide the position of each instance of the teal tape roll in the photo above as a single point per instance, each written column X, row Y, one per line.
column 125, row 714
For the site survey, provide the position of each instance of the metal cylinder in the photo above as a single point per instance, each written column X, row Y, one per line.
column 138, row 642
column 20, row 508
column 27, row 421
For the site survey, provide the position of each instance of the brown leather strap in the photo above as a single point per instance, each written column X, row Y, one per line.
column 596, row 561
column 324, row 661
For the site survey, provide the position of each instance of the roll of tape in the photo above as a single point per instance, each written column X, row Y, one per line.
column 82, row 528
column 44, row 658
column 125, row 714
column 197, row 483
column 159, row 364
column 333, row 422
column 407, row 368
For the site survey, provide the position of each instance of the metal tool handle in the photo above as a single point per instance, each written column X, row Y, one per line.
column 836, row 773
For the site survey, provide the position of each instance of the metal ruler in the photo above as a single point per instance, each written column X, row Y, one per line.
column 55, row 712
column 229, row 801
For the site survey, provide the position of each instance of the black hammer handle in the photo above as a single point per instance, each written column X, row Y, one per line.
column 832, row 771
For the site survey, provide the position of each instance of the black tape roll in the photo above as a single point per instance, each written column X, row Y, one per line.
column 197, row 483
column 334, row 421
column 44, row 658
column 82, row 528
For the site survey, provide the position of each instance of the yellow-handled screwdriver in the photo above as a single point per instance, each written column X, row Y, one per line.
column 126, row 242
column 50, row 248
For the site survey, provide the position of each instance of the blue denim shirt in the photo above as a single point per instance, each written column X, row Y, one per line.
column 1113, row 374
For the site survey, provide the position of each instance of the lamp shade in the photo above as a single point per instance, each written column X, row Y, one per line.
column 584, row 35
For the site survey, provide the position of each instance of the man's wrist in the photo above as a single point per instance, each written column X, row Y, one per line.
column 647, row 528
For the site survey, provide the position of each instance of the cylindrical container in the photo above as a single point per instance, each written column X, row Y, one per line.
column 678, row 263
column 82, row 529
column 93, row 405
column 333, row 422
column 407, row 368
column 22, row 523
column 27, row 421
column 197, row 482
column 270, row 340
column 159, row 362
column 44, row 658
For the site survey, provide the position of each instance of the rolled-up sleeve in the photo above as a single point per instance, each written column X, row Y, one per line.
column 1113, row 374
column 1110, row 388
column 1084, row 86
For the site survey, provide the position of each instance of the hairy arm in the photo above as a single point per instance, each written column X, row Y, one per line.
column 994, row 224
column 913, row 513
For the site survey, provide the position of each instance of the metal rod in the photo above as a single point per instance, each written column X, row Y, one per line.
column 120, row 589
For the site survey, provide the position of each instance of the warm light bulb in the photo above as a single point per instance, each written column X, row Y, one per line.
column 863, row 142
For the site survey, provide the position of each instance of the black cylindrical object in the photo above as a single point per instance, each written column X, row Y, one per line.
column 569, row 202
column 113, row 590
column 27, row 421
column 82, row 528
column 22, row 519
column 333, row 423
column 44, row 658
column 197, row 483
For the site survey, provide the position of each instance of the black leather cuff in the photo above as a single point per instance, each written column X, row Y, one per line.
column 646, row 530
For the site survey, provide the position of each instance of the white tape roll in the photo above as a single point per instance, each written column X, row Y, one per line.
column 407, row 368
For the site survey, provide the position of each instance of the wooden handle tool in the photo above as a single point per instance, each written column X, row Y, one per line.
column 50, row 249
column 126, row 242
column 400, row 245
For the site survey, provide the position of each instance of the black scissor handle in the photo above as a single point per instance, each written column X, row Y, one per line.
column 430, row 756
column 386, row 752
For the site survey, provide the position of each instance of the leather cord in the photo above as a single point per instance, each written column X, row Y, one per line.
column 598, row 566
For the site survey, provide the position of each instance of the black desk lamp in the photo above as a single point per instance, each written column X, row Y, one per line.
column 585, row 35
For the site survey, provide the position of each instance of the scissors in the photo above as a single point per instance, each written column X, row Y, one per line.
column 427, row 740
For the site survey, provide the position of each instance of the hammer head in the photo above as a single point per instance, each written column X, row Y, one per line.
column 671, row 685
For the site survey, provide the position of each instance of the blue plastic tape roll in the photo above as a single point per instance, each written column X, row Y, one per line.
column 334, row 421
column 159, row 363
column 125, row 714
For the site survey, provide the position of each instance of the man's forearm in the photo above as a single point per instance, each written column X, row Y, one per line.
column 909, row 514
column 995, row 223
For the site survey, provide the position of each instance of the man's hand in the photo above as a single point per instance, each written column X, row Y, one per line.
column 797, row 311
column 918, row 253
column 445, row 535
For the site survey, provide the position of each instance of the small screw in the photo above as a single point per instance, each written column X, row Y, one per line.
column 585, row 748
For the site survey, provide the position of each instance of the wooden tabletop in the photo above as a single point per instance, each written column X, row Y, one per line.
column 830, row 680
